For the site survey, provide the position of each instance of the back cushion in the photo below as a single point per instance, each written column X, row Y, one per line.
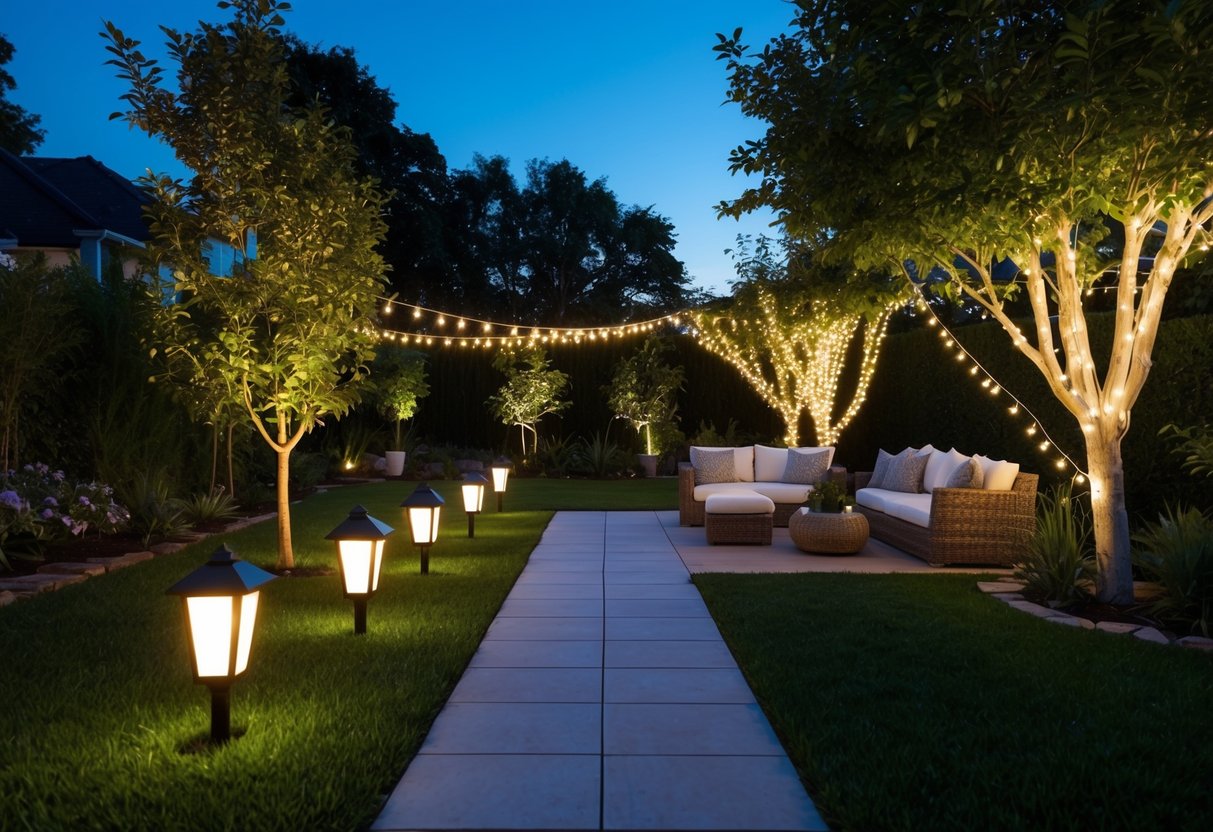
column 807, row 467
column 743, row 461
column 940, row 468
column 769, row 463
column 997, row 474
column 905, row 472
column 713, row 465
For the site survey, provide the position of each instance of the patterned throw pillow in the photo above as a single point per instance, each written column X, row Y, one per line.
column 883, row 460
column 806, row 468
column 967, row 475
column 714, row 466
column 905, row 473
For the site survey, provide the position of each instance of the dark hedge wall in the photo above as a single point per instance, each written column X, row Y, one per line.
column 919, row 394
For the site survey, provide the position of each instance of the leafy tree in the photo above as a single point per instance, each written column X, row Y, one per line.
column 643, row 390
column 19, row 133
column 278, row 184
column 398, row 382
column 1072, row 139
column 531, row 391
column 789, row 329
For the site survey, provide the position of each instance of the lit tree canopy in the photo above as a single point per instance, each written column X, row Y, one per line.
column 531, row 391
column 789, row 330
column 290, row 329
column 1072, row 138
column 644, row 390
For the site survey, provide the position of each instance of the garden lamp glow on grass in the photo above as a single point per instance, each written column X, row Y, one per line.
column 422, row 509
column 220, row 602
column 360, row 540
column 501, row 474
column 473, row 498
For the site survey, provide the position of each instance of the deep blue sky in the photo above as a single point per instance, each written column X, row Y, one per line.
column 625, row 89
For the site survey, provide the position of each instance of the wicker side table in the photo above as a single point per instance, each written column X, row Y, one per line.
column 827, row 533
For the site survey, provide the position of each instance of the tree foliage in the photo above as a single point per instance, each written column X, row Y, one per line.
column 398, row 384
column 644, row 391
column 292, row 324
column 531, row 391
column 1071, row 139
column 19, row 132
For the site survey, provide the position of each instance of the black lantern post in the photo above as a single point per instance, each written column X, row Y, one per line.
column 501, row 475
column 360, row 540
column 473, row 498
column 220, row 602
column 422, row 509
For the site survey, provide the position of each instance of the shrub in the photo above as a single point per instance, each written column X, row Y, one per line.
column 1060, row 565
column 201, row 508
column 600, row 457
column 154, row 511
column 1177, row 551
column 308, row 470
column 557, row 456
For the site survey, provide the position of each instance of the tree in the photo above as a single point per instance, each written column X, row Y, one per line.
column 1071, row 138
column 644, row 388
column 398, row 381
column 789, row 329
column 19, row 133
column 531, row 391
column 296, row 316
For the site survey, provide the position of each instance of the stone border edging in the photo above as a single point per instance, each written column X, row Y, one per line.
column 54, row 576
column 1009, row 593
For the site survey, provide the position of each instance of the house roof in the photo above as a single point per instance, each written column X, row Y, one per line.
column 47, row 202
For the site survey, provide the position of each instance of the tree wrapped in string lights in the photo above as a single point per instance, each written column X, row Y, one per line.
column 789, row 331
column 1075, row 144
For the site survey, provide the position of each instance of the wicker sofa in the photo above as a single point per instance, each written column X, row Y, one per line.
column 786, row 496
column 965, row 526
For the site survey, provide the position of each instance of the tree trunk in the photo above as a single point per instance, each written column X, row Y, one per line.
column 231, row 473
column 214, row 453
column 1110, row 521
column 286, row 555
column 648, row 439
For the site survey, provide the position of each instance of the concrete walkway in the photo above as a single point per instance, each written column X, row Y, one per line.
column 602, row 697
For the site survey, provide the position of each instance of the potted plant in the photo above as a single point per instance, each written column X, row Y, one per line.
column 827, row 496
column 398, row 378
column 643, row 391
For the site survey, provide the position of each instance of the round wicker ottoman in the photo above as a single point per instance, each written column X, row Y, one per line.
column 826, row 533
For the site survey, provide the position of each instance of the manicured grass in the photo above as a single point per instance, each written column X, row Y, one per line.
column 527, row 494
column 99, row 716
column 913, row 702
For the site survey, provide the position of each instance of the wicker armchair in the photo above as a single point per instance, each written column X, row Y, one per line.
column 967, row 526
column 691, row 511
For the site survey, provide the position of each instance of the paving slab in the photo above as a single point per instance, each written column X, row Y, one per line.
column 657, row 608
column 67, row 568
column 538, row 654
column 533, row 684
column 516, row 728
column 699, row 729
column 667, row 654
column 661, row 629
column 676, row 592
column 675, row 685
column 566, row 592
column 545, row 629
column 549, row 608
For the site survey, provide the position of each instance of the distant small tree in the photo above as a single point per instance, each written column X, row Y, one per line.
column 644, row 389
column 291, row 329
column 531, row 391
column 398, row 384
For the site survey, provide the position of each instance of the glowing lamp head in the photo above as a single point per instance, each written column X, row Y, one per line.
column 220, row 601
column 360, row 540
column 423, row 508
column 473, row 492
column 501, row 473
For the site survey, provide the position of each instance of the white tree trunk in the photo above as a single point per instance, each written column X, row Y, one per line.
column 1110, row 520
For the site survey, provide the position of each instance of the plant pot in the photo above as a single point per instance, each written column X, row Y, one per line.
column 395, row 463
column 649, row 463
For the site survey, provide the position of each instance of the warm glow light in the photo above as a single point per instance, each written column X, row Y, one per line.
column 500, row 476
column 473, row 496
column 210, row 623
column 423, row 523
column 361, row 561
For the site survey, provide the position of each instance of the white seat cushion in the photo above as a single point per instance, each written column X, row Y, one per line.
column 876, row 498
column 739, row 502
column 913, row 508
column 780, row 492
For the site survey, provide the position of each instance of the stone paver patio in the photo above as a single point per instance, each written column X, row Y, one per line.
column 602, row 697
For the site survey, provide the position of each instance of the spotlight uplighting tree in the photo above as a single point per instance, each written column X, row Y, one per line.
column 1075, row 144
column 293, row 317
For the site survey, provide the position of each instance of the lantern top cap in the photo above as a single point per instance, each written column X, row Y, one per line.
column 423, row 497
column 360, row 526
column 223, row 574
column 475, row 477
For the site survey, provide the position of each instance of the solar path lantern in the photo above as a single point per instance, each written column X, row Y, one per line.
column 473, row 498
column 360, row 540
column 422, row 509
column 220, row 601
column 501, row 475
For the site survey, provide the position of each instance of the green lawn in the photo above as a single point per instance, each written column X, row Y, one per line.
column 99, row 713
column 912, row 702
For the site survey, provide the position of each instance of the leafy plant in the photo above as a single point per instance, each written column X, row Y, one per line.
column 708, row 436
column 643, row 391
column 154, row 511
column 600, row 456
column 827, row 496
column 398, row 383
column 215, row 505
column 1177, row 551
column 557, row 455
column 531, row 390
column 1060, row 564
column 1195, row 445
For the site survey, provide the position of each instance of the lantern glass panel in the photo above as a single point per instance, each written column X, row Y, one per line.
column 357, row 568
column 210, row 620
column 423, row 522
column 248, row 617
column 473, row 496
column 500, row 475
